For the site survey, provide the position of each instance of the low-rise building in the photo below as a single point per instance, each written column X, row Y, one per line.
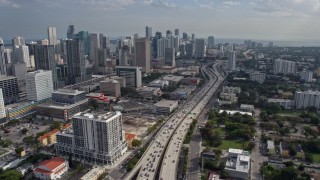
column 159, row 83
column 284, row 149
column 238, row 164
column 110, row 87
column 227, row 89
column 258, row 76
column 121, row 80
column 100, row 97
column 25, row 168
column 234, row 112
column 148, row 92
column 51, row 137
column 166, row 69
column 182, row 92
column 247, row 107
column 285, row 103
column 94, row 173
column 190, row 81
column 165, row 106
column 130, row 137
column 173, row 80
column 229, row 96
column 53, row 168
column 270, row 147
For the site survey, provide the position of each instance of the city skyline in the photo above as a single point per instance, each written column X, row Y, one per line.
column 253, row 19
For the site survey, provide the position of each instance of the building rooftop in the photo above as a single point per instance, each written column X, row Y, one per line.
column 145, row 88
column 69, row 91
column 172, row 78
column 54, row 105
column 165, row 103
column 247, row 106
column 233, row 112
column 97, row 116
column 130, row 136
column 270, row 144
column 235, row 151
column 279, row 100
column 92, row 173
column 52, row 163
column 4, row 77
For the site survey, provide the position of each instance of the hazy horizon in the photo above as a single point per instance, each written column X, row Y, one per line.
column 268, row 20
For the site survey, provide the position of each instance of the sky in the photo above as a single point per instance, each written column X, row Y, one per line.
column 296, row 20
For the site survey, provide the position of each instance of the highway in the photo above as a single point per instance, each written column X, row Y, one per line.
column 170, row 162
column 149, row 163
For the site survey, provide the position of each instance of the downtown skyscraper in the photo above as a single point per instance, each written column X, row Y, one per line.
column 52, row 36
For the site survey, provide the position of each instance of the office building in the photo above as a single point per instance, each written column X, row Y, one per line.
column 200, row 48
column 210, row 42
column 306, row 76
column 307, row 99
column 68, row 96
column 44, row 59
column 65, row 103
column 94, row 46
column 165, row 106
column 132, row 75
column 18, row 41
column 39, row 85
column 170, row 57
column 76, row 61
column 52, row 36
column 2, row 108
column 83, row 36
column 238, row 164
column 185, row 36
column 284, row 66
column 189, row 50
column 71, row 33
column 193, row 37
column 8, row 56
column 232, row 61
column 19, row 70
column 21, row 54
column 148, row 31
column 143, row 54
column 285, row 103
column 121, row 80
column 110, row 87
column 258, row 76
column 10, row 90
column 96, row 138
column 125, row 57
column 176, row 32
column 3, row 63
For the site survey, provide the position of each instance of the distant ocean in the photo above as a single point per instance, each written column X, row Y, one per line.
column 265, row 43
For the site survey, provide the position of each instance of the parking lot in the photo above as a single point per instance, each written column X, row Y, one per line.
column 14, row 134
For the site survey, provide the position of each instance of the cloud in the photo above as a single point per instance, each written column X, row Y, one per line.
column 231, row 3
column 9, row 3
column 161, row 4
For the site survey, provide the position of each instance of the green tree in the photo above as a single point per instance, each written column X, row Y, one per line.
column 136, row 142
column 10, row 175
column 24, row 131
column 19, row 150
column 93, row 103
column 56, row 125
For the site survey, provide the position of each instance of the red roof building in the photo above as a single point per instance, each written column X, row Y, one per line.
column 53, row 168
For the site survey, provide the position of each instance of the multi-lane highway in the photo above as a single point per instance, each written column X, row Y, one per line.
column 170, row 162
column 170, row 137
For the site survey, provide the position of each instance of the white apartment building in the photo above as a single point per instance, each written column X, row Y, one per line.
column 232, row 61
column 257, row 76
column 306, row 76
column 96, row 138
column 307, row 99
column 284, row 66
column 238, row 164
column 2, row 107
column 39, row 85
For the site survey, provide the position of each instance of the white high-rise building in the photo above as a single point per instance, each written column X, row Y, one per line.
column 21, row 54
column 232, row 61
column 97, row 138
column 2, row 107
column 284, row 66
column 307, row 99
column 52, row 35
column 39, row 85
column 306, row 76
column 200, row 48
